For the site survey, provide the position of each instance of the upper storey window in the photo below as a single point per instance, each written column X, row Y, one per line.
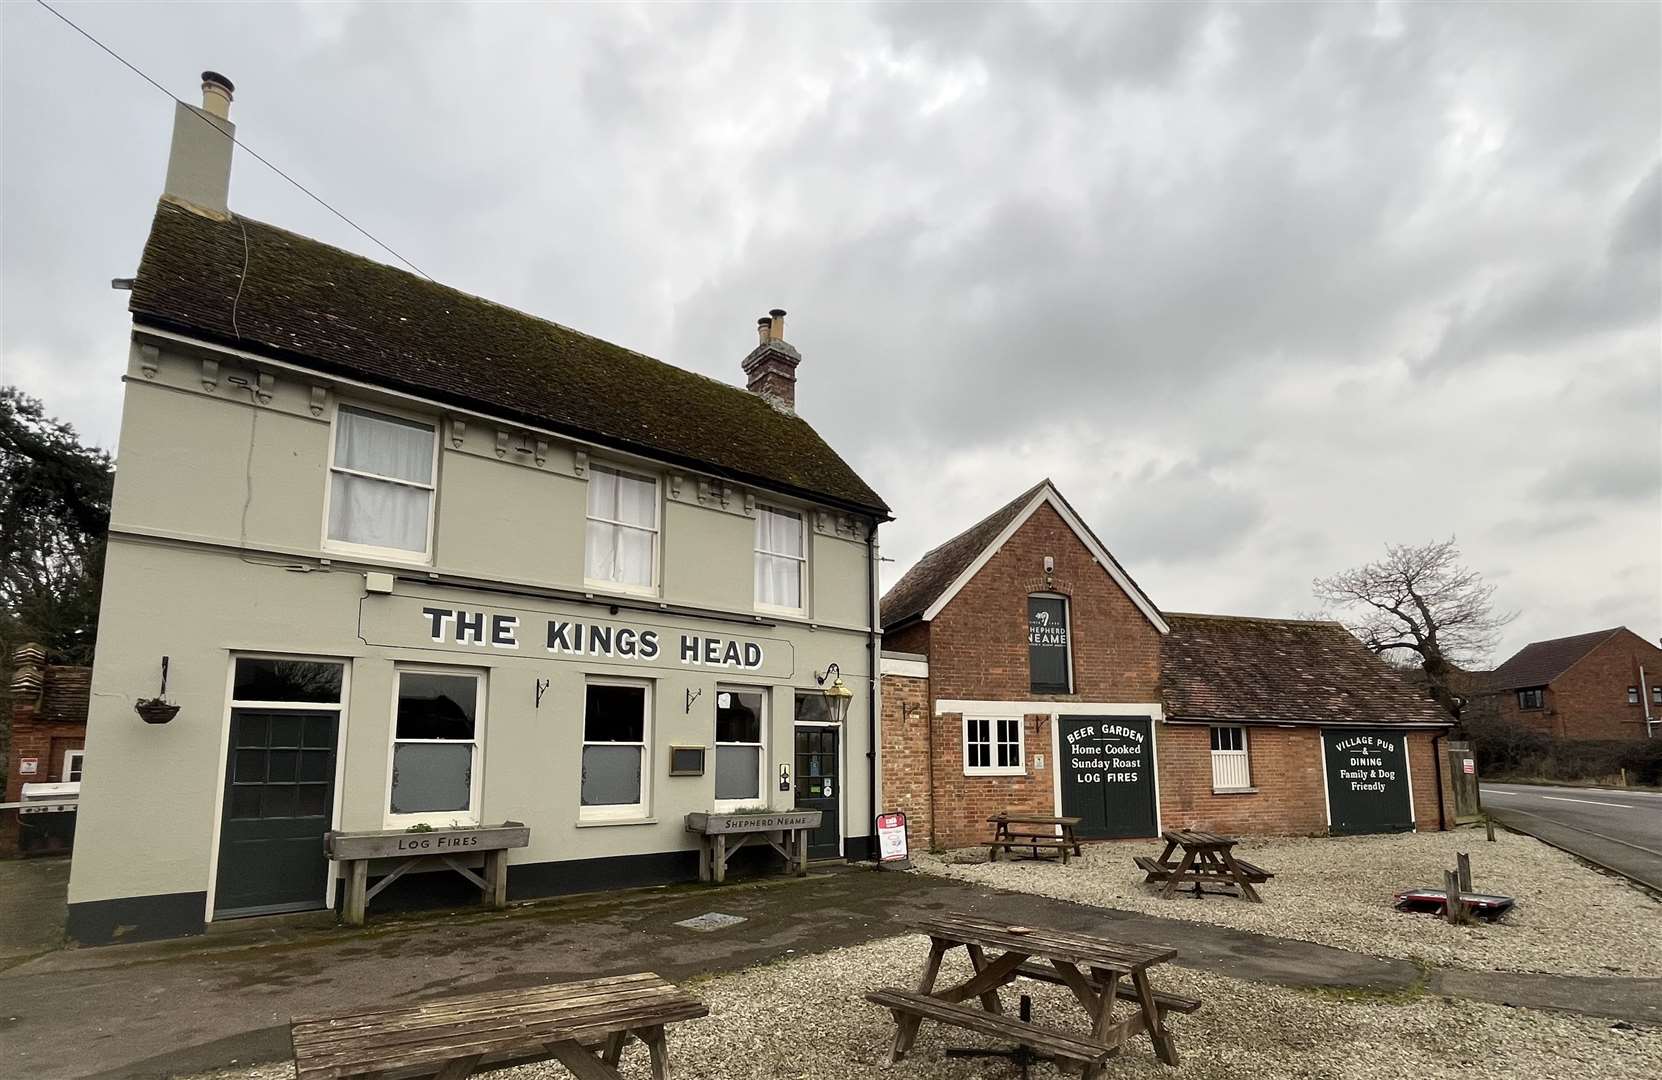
column 781, row 555
column 1049, row 650
column 622, row 548
column 381, row 480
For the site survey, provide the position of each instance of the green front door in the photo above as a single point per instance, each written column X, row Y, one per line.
column 1367, row 782
column 819, row 786
column 1107, row 767
column 279, row 799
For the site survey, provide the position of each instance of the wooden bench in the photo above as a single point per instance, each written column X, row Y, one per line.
column 1062, row 1047
column 583, row 1025
column 356, row 850
column 720, row 835
column 1125, row 992
column 1048, row 833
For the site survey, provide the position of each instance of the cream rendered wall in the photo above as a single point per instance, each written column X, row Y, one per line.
column 509, row 522
column 709, row 556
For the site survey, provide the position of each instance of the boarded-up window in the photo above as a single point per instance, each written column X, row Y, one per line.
column 1049, row 660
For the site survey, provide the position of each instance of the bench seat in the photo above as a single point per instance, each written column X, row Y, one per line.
column 1061, row 1046
column 1042, row 972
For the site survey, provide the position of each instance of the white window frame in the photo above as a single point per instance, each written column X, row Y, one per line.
column 1635, row 695
column 1067, row 625
column 801, row 516
column 992, row 742
column 74, row 761
column 762, row 771
column 606, row 584
column 619, row 812
column 1227, row 758
column 432, row 485
column 476, row 776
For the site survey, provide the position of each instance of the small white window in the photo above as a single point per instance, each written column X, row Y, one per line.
column 1230, row 769
column 781, row 556
column 617, row 728
column 1633, row 695
column 741, row 721
column 72, row 760
column 381, row 480
column 1656, row 694
column 993, row 746
column 622, row 547
column 436, row 741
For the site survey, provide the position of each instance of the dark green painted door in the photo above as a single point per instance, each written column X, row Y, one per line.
column 279, row 797
column 1108, row 774
column 819, row 787
column 1367, row 782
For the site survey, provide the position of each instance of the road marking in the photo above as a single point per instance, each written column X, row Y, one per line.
column 1589, row 802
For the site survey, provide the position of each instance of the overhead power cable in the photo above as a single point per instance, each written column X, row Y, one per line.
column 130, row 66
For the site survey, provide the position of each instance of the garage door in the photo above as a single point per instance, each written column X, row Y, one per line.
column 1368, row 789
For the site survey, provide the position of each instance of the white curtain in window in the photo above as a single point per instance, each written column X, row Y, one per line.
column 378, row 513
column 384, row 445
column 778, row 559
column 779, row 533
column 621, row 552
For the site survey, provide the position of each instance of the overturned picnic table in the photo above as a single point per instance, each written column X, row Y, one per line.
column 583, row 1025
column 1033, row 831
column 1207, row 859
column 1098, row 971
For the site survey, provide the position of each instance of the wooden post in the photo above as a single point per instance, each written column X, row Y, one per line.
column 1464, row 870
column 1489, row 827
column 357, row 879
column 1454, row 908
column 719, row 859
column 802, row 853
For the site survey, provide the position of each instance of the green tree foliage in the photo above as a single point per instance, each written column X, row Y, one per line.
column 54, row 514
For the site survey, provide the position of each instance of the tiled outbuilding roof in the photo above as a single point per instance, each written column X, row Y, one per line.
column 933, row 574
column 1540, row 662
column 1228, row 667
column 330, row 310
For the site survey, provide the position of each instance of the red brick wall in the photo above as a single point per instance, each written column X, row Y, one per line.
column 1590, row 699
column 912, row 639
column 1423, row 766
column 46, row 740
column 903, row 743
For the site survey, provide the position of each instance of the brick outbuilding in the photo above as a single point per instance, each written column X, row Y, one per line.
column 1025, row 670
column 48, row 734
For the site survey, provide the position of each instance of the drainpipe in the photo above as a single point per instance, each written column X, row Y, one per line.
column 1437, row 768
column 1644, row 699
column 874, row 654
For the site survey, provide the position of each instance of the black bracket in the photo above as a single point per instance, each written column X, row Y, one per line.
column 692, row 696
column 542, row 685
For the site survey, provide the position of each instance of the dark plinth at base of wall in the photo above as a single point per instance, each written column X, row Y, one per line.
column 136, row 918
column 530, row 881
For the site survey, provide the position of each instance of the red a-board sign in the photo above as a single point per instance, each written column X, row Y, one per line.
column 891, row 836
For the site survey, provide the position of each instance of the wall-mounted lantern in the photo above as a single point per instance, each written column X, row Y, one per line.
column 837, row 696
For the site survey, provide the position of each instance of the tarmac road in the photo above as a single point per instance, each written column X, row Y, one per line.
column 1616, row 827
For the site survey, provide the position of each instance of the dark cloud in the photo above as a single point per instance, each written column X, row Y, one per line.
column 1261, row 286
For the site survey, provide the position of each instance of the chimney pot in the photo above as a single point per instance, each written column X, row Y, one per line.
column 763, row 326
column 776, row 325
column 216, row 94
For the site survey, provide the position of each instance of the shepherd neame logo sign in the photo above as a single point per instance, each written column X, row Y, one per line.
column 568, row 637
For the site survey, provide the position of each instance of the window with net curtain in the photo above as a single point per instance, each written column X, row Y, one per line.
column 739, row 746
column 435, row 744
column 622, row 529
column 381, row 481
column 780, row 558
column 614, row 750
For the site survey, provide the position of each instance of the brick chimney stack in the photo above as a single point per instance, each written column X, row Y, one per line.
column 770, row 369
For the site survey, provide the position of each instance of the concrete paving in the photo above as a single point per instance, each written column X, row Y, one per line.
column 32, row 904
column 160, row 1009
column 1615, row 827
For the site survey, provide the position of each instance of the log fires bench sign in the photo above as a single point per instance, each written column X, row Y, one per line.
column 1367, row 782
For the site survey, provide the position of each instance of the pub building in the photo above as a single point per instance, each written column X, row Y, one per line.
column 386, row 556
column 1024, row 670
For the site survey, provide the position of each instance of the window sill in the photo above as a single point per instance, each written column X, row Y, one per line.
column 1234, row 791
column 331, row 548
column 615, row 588
column 602, row 823
column 995, row 772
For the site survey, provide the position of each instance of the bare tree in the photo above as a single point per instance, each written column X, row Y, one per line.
column 1421, row 605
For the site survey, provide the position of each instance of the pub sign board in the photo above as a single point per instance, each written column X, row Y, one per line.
column 1107, row 767
column 1047, row 645
column 1367, row 781
column 464, row 626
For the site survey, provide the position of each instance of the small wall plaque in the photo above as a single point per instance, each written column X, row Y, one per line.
column 686, row 761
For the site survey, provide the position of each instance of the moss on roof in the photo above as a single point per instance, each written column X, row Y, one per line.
column 308, row 303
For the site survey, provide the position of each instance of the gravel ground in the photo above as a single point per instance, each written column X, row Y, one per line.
column 807, row 1017
column 1337, row 891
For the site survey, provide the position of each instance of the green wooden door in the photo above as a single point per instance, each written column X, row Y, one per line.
column 819, row 787
column 1107, row 772
column 279, row 799
column 1367, row 782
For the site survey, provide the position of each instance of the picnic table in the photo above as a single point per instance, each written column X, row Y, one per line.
column 583, row 1025
column 1207, row 859
column 1033, row 831
column 1098, row 971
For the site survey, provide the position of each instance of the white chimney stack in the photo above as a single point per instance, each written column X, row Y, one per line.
column 199, row 164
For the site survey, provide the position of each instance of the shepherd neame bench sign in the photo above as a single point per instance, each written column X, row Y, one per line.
column 419, row 622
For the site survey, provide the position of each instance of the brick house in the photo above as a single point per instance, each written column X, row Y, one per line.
column 1603, row 685
column 48, row 736
column 1024, row 669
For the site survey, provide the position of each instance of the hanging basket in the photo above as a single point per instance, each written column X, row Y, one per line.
column 155, row 710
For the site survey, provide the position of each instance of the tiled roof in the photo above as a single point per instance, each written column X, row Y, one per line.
column 1227, row 667
column 317, row 306
column 65, row 694
column 933, row 574
column 1540, row 662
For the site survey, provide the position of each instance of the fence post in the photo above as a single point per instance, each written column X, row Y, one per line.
column 1454, row 908
column 1489, row 827
column 1464, row 871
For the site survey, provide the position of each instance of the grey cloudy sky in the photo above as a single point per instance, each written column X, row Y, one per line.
column 1260, row 287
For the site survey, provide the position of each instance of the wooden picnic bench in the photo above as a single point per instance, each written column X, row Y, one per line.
column 356, row 850
column 1098, row 971
column 1033, row 831
column 1207, row 859
column 583, row 1025
column 720, row 835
